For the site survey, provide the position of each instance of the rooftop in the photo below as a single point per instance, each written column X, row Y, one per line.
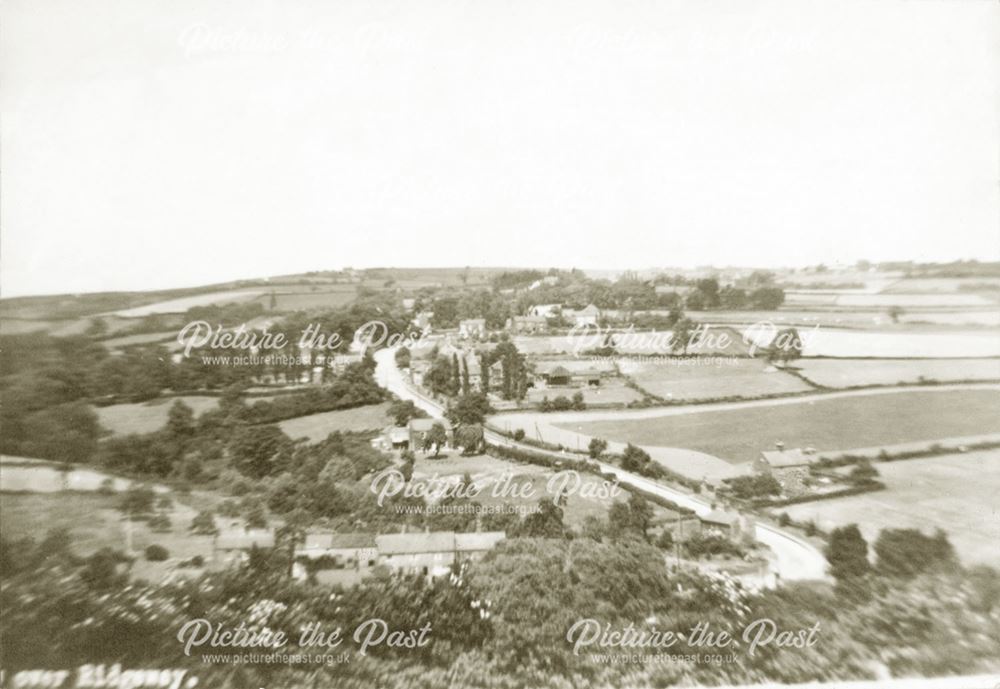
column 787, row 458
column 334, row 541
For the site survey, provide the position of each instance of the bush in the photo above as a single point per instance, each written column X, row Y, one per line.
column 229, row 508
column 519, row 434
column 157, row 553
column 159, row 523
column 204, row 523
column 665, row 541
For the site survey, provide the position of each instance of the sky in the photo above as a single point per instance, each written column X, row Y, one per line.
column 148, row 144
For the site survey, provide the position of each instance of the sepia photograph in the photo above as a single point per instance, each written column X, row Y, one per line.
column 499, row 344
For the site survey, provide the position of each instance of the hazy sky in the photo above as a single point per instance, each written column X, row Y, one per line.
column 160, row 143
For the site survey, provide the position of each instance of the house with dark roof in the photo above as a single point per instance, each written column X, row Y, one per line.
column 341, row 549
column 433, row 554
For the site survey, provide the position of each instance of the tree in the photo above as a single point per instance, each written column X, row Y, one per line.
column 895, row 312
column 403, row 411
column 547, row 522
column 436, row 437
column 577, row 401
column 786, row 346
column 767, row 298
column 254, row 515
column 634, row 458
column 680, row 339
column 665, row 541
column 456, row 376
column 597, row 447
column 632, row 516
column 484, row 373
column 438, row 376
column 470, row 408
column 259, row 451
column 465, row 377
column 157, row 553
column 864, row 472
column 159, row 523
column 204, row 523
column 137, row 500
column 847, row 554
column 908, row 552
column 470, row 438
column 403, row 357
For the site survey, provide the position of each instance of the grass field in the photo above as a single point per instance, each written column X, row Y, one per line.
column 954, row 492
column 316, row 427
column 147, row 417
column 839, row 373
column 692, row 379
column 840, row 423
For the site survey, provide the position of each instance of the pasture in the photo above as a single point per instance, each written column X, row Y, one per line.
column 698, row 379
column 146, row 417
column 738, row 433
column 315, row 427
column 840, row 373
column 954, row 492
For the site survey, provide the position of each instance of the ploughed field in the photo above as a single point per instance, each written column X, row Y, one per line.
column 839, row 423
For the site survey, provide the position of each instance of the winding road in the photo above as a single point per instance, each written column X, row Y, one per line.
column 795, row 558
